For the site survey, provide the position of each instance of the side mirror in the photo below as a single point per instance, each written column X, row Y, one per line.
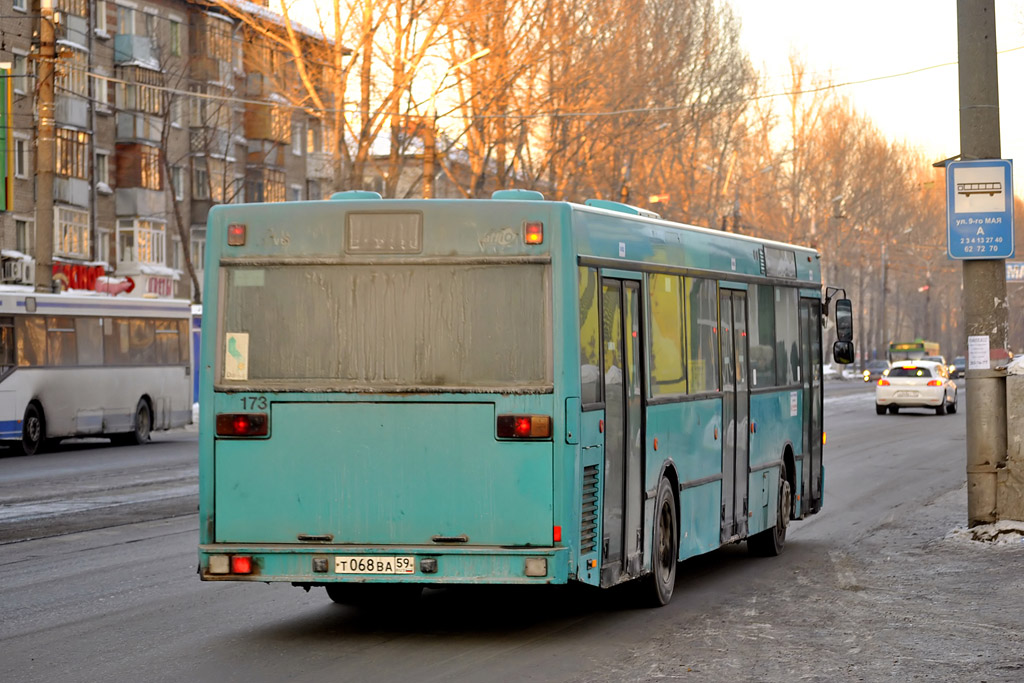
column 842, row 352
column 844, row 322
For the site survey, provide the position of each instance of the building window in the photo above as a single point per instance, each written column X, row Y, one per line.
column 175, row 38
column 297, row 139
column 21, row 5
column 314, row 138
column 178, row 181
column 20, row 158
column 103, row 245
column 295, row 193
column 198, row 253
column 71, row 232
column 151, row 19
column 149, row 162
column 23, row 236
column 77, row 7
column 200, row 183
column 135, row 92
column 313, row 190
column 125, row 20
column 20, row 73
column 102, row 91
column 140, row 240
column 101, row 16
column 103, row 168
column 72, row 153
column 218, row 39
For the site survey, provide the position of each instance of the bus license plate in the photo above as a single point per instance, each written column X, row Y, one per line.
column 377, row 564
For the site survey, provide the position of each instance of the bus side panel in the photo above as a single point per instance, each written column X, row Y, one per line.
column 776, row 420
column 689, row 433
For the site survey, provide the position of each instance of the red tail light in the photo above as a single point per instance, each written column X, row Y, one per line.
column 236, row 235
column 935, row 383
column 242, row 424
column 883, row 382
column 241, row 564
column 524, row 427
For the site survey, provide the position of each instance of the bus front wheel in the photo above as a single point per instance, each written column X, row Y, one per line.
column 661, row 582
column 770, row 542
column 33, row 430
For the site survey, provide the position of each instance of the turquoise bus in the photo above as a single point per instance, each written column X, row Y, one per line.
column 399, row 394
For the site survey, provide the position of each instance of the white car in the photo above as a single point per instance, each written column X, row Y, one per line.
column 916, row 384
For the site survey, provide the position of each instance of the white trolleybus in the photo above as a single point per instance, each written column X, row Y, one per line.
column 78, row 365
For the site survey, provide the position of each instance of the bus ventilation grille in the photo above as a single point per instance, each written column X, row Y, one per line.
column 588, row 527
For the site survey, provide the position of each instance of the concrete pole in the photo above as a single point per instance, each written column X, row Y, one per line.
column 45, row 150
column 985, row 304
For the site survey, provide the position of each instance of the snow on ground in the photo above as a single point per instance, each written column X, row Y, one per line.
column 1003, row 532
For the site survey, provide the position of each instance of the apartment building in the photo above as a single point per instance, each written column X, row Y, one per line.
column 161, row 109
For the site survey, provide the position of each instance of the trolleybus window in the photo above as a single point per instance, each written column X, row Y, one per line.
column 668, row 374
column 590, row 338
column 702, row 334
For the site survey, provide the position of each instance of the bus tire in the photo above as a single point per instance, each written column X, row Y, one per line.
column 661, row 582
column 33, row 430
column 142, row 426
column 770, row 542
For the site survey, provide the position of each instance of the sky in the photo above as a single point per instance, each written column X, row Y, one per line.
column 870, row 39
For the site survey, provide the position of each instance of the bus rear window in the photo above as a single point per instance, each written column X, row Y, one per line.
column 355, row 327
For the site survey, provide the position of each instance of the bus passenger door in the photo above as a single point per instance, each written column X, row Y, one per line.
column 623, row 482
column 809, row 492
column 735, row 414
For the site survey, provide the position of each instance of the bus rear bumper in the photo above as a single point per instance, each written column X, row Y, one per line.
column 375, row 564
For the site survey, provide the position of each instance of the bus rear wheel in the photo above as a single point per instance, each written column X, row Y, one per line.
column 142, row 425
column 770, row 542
column 33, row 430
column 661, row 582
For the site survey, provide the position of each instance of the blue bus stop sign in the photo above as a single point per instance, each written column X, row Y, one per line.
column 979, row 209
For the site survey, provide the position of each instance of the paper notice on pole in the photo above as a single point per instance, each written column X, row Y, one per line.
column 977, row 352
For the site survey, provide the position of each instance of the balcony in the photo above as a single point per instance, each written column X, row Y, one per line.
column 71, row 191
column 210, row 141
column 137, row 201
column 132, row 126
column 71, row 110
column 132, row 48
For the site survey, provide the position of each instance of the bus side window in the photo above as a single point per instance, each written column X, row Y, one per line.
column 761, row 332
column 89, row 334
column 702, row 334
column 143, row 342
column 115, row 341
column 30, row 337
column 60, row 341
column 6, row 343
column 167, row 342
column 668, row 374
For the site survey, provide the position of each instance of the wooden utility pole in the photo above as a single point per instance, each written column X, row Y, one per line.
column 45, row 148
column 985, row 303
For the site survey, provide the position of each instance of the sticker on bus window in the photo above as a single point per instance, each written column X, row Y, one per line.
column 793, row 405
column 236, row 360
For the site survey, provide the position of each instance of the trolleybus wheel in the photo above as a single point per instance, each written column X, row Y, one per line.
column 373, row 595
column 662, row 579
column 770, row 542
column 142, row 425
column 33, row 430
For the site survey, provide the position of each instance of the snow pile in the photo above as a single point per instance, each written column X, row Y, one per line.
column 1003, row 532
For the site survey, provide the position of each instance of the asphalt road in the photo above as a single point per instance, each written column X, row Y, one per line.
column 98, row 582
